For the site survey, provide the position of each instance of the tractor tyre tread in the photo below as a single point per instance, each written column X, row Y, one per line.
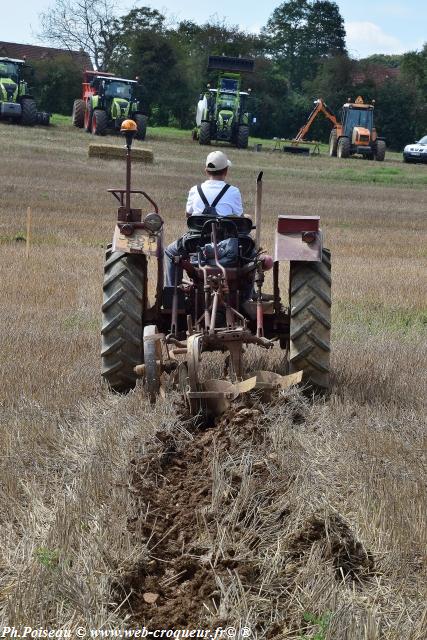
column 205, row 133
column 343, row 149
column 122, row 318
column 99, row 122
column 29, row 112
column 243, row 137
column 310, row 320
column 78, row 115
column 141, row 126
column 380, row 148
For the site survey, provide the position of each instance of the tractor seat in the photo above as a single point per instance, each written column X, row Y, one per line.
column 191, row 244
column 244, row 226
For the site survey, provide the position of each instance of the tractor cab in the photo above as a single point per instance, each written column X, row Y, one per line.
column 11, row 82
column 357, row 120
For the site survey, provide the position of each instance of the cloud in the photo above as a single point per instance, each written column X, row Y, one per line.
column 366, row 38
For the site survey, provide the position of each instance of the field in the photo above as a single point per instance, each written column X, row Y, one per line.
column 301, row 520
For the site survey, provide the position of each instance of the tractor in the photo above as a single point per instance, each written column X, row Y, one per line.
column 106, row 102
column 222, row 113
column 354, row 134
column 16, row 103
column 213, row 308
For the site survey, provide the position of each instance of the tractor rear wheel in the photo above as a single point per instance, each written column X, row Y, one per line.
column 124, row 288
column 310, row 320
column 333, row 144
column 78, row 116
column 205, row 133
column 141, row 126
column 243, row 137
column 88, row 118
column 379, row 150
column 343, row 148
column 29, row 112
column 99, row 122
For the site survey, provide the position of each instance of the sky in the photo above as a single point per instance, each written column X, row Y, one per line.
column 373, row 26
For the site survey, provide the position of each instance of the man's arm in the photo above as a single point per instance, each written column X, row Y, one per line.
column 190, row 202
column 237, row 202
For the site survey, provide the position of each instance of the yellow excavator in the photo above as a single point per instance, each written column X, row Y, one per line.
column 355, row 134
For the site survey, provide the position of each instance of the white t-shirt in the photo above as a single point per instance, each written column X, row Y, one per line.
column 230, row 203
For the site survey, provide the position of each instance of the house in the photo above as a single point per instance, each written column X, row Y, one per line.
column 34, row 53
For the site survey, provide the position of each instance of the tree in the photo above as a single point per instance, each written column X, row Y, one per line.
column 89, row 25
column 57, row 83
column 302, row 32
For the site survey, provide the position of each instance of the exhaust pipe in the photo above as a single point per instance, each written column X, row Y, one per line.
column 258, row 210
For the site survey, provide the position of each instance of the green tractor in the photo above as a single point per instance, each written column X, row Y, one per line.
column 222, row 113
column 16, row 103
column 106, row 102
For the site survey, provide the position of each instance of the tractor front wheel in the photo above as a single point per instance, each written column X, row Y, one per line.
column 141, row 126
column 343, row 148
column 205, row 133
column 243, row 137
column 379, row 150
column 99, row 122
column 29, row 112
column 310, row 320
column 124, row 293
column 78, row 116
column 333, row 144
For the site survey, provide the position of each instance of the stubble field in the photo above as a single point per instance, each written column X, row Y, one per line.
column 303, row 519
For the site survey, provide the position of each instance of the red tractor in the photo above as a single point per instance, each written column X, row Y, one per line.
column 106, row 102
column 163, row 340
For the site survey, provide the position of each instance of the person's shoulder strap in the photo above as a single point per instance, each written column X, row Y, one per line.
column 220, row 194
column 202, row 196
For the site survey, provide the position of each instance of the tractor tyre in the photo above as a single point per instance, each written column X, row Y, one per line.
column 243, row 137
column 380, row 150
column 78, row 116
column 205, row 133
column 87, row 124
column 343, row 148
column 29, row 112
column 141, row 126
column 310, row 320
column 99, row 122
column 333, row 144
column 123, row 307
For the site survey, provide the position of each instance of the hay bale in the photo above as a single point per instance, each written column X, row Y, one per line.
column 111, row 152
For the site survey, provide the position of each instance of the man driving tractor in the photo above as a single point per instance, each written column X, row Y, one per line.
column 213, row 197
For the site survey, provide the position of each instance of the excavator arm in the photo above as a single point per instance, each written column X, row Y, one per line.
column 319, row 107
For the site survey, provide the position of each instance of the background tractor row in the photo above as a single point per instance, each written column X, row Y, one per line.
column 222, row 112
column 106, row 102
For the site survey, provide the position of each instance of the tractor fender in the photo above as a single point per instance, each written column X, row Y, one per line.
column 298, row 238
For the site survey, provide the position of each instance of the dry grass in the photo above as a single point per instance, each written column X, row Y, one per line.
column 311, row 474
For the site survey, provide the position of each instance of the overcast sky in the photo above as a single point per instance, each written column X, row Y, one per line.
column 373, row 26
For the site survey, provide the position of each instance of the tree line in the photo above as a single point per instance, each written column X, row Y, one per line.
column 300, row 55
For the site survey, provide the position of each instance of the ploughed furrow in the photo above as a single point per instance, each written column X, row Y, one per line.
column 310, row 306
column 200, row 503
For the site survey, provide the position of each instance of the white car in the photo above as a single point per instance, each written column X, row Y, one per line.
column 416, row 152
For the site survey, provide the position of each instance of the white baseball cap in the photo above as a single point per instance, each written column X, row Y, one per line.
column 216, row 161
